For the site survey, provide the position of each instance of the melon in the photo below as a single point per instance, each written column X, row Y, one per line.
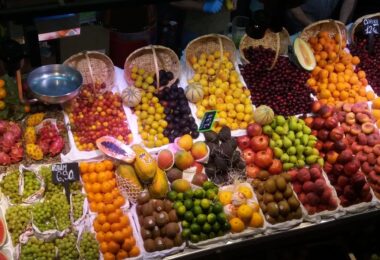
column 131, row 96
column 115, row 149
column 194, row 92
column 304, row 54
column 4, row 256
column 263, row 115
column 3, row 232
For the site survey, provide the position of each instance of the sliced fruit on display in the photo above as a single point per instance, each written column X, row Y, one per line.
column 115, row 149
column 3, row 232
column 304, row 54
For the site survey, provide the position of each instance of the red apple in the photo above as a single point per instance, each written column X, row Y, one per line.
column 276, row 167
column 248, row 155
column 252, row 170
column 323, row 134
column 373, row 139
column 318, row 123
column 326, row 111
column 332, row 156
column 339, row 146
column 243, row 142
column 259, row 143
column 254, row 129
column 263, row 159
column 327, row 146
column 331, row 123
column 337, row 134
column 345, row 156
column 351, row 168
column 319, row 145
column 309, row 121
column 316, row 106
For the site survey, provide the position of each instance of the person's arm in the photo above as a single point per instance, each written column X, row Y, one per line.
column 346, row 10
column 189, row 5
column 299, row 14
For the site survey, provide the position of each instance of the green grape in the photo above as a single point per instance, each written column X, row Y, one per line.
column 31, row 184
column 77, row 202
column 67, row 247
column 76, row 186
column 38, row 249
column 18, row 217
column 9, row 186
column 89, row 247
column 43, row 216
column 61, row 210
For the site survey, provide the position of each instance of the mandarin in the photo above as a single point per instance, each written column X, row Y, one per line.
column 135, row 251
column 122, row 254
column 109, row 256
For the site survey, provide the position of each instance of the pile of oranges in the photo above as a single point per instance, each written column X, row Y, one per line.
column 113, row 229
column 334, row 78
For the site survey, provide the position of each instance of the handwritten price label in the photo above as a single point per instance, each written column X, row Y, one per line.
column 371, row 26
column 65, row 172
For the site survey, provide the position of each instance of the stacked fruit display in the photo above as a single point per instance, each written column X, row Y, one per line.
column 92, row 117
column 240, row 207
column 342, row 168
column 200, row 211
column 46, row 141
column 276, row 198
column 225, row 163
column 18, row 220
column 256, row 152
column 292, row 142
column 222, row 90
column 114, row 231
column 312, row 189
column 159, row 223
column 336, row 79
column 282, row 88
column 11, row 150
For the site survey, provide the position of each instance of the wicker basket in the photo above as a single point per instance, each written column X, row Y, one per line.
column 332, row 26
column 209, row 44
column 94, row 66
column 278, row 42
column 358, row 25
column 152, row 59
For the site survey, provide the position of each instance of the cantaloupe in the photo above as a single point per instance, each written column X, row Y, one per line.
column 263, row 115
column 194, row 92
column 131, row 96
column 304, row 54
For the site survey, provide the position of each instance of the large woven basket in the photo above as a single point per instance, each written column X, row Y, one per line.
column 334, row 27
column 357, row 26
column 152, row 59
column 95, row 67
column 209, row 44
column 278, row 42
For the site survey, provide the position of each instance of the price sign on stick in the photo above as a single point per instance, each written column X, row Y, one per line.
column 371, row 28
column 64, row 173
column 207, row 121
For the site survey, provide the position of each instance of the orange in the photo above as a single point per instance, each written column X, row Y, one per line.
column 128, row 243
column 108, row 198
column 113, row 183
column 355, row 60
column 113, row 247
column 109, row 208
column 108, row 164
column 100, row 236
column 102, row 177
column 109, row 256
column 115, row 192
column 109, row 236
column 100, row 207
column 311, row 82
column 378, row 123
column 119, row 212
column 102, row 218
column 121, row 255
column 116, row 227
column 106, row 187
column 90, row 196
column 256, row 220
column 119, row 201
column 332, row 56
column 255, row 207
column 118, row 236
column 313, row 40
column 237, row 225
column 83, row 166
column 135, row 251
column 93, row 177
column 370, row 95
column 343, row 95
column 100, row 167
column 103, row 247
column 91, row 167
column 98, row 197
column 127, row 231
column 323, row 34
column 88, row 187
column 376, row 103
column 106, row 227
column 329, row 68
column 244, row 212
column 354, row 79
column 364, row 82
column 85, row 177
column 97, row 225
column 324, row 74
column 96, row 187
column 124, row 221
column 109, row 175
column 323, row 55
column 93, row 206
column 113, row 217
column 339, row 67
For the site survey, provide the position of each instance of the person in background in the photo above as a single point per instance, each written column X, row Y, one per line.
column 203, row 17
column 314, row 10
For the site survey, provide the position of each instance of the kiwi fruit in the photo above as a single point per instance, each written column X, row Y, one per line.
column 267, row 197
column 163, row 231
column 139, row 209
column 263, row 175
column 263, row 206
column 272, row 209
column 211, row 136
column 159, row 242
column 168, row 205
column 278, row 196
column 286, row 176
column 283, row 207
column 178, row 240
column 270, row 186
column 280, row 219
column 281, row 183
column 141, row 220
column 143, row 197
column 147, row 209
column 174, row 174
column 171, row 229
column 288, row 191
column 168, row 243
column 156, row 232
column 173, row 216
column 298, row 213
column 145, row 233
column 149, row 222
column 150, row 245
column 270, row 219
column 293, row 203
column 162, row 218
column 224, row 134
column 159, row 205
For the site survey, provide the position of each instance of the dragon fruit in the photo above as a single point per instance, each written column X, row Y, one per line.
column 56, row 146
column 3, row 126
column 16, row 153
column 44, row 145
column 4, row 159
column 14, row 129
column 10, row 143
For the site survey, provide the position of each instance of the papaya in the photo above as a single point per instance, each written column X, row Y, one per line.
column 145, row 166
column 160, row 186
column 128, row 173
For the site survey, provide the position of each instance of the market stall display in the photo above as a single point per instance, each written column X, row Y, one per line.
column 309, row 150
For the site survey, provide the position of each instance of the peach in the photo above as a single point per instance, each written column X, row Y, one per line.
column 347, row 107
column 165, row 159
column 199, row 150
column 312, row 198
column 332, row 156
column 183, row 160
column 350, row 118
column 308, row 187
column 355, row 129
column 185, row 142
column 362, row 118
column 368, row 128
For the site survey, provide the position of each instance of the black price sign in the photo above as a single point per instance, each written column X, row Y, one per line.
column 63, row 173
column 371, row 26
column 207, row 121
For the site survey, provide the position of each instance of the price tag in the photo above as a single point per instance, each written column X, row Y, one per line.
column 371, row 26
column 207, row 121
column 64, row 173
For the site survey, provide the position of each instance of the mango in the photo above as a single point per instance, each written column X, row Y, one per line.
column 181, row 185
column 128, row 173
column 165, row 159
column 199, row 150
column 144, row 164
column 183, row 160
column 185, row 142
column 159, row 186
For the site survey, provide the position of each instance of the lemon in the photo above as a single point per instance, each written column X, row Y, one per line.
column 246, row 191
column 245, row 212
column 225, row 197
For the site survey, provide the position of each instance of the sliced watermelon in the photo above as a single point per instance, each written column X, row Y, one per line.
column 115, row 149
column 3, row 232
column 4, row 255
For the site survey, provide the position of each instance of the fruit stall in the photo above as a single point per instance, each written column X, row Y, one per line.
column 174, row 157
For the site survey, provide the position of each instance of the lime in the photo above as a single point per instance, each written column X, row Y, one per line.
column 185, row 223
column 206, row 228
column 211, row 218
column 211, row 235
column 217, row 207
column 210, row 194
column 186, row 232
column 199, row 193
column 188, row 203
column 194, row 238
column 181, row 210
column 172, row 195
column 208, row 185
column 221, row 217
column 203, row 236
column 226, row 226
column 205, row 204
column 197, row 210
column 201, row 219
column 197, row 202
column 188, row 216
column 220, row 233
column 216, row 227
column 177, row 204
column 180, row 196
column 195, row 228
column 188, row 194
column 215, row 189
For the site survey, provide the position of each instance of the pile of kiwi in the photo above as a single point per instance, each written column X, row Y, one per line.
column 276, row 197
column 159, row 223
column 223, row 156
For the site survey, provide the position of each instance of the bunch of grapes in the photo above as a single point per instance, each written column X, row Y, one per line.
column 67, row 249
column 50, row 187
column 38, row 249
column 18, row 217
column 77, row 202
column 61, row 210
column 75, row 186
column 43, row 216
column 9, row 186
column 31, row 184
column 89, row 248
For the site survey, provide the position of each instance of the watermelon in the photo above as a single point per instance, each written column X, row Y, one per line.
column 5, row 255
column 3, row 232
column 115, row 149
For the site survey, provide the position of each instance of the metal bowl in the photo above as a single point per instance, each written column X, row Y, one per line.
column 55, row 83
